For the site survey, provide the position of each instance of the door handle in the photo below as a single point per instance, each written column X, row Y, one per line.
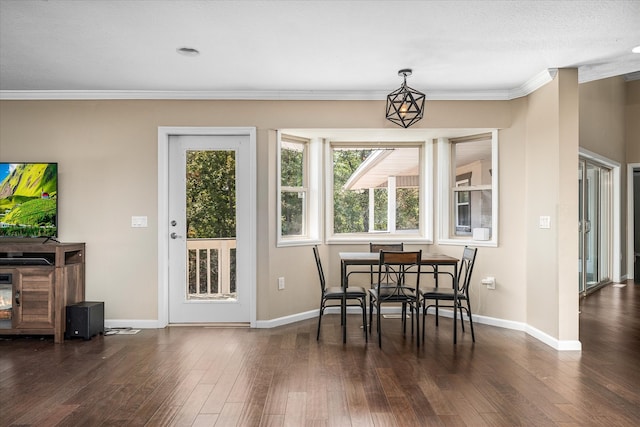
column 174, row 236
column 18, row 298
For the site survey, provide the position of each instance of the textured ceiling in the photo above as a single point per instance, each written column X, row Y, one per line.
column 310, row 49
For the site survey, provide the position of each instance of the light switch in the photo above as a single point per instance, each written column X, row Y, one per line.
column 138, row 221
column 545, row 222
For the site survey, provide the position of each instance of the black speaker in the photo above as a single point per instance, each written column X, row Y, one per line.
column 85, row 320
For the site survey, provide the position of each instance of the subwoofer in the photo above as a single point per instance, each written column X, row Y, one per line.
column 85, row 320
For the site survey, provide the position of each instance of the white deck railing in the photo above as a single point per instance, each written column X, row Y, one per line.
column 210, row 268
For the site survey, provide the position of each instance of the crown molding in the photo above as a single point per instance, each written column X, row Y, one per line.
column 488, row 95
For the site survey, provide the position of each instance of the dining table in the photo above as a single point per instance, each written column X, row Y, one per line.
column 434, row 260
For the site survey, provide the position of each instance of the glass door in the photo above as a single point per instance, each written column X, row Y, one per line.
column 209, row 248
column 595, row 225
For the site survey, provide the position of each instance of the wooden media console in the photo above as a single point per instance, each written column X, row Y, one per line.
column 37, row 281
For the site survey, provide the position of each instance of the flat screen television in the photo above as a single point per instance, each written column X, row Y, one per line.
column 28, row 200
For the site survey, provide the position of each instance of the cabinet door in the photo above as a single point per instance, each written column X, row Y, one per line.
column 33, row 298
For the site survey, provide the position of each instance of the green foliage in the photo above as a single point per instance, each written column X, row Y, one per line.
column 34, row 212
column 291, row 172
column 350, row 208
column 407, row 209
column 291, row 214
column 211, row 194
column 381, row 198
column 35, row 218
column 292, row 206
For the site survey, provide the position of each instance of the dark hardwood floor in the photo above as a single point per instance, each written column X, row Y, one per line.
column 197, row 376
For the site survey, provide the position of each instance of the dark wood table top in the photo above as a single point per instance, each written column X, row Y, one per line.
column 370, row 258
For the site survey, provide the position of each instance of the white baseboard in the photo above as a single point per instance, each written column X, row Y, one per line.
column 280, row 321
column 560, row 345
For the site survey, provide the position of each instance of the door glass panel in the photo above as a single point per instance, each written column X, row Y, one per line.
column 211, row 224
column 594, row 198
column 591, row 218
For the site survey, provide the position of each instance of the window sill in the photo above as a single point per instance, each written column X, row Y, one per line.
column 469, row 242
column 297, row 242
column 414, row 240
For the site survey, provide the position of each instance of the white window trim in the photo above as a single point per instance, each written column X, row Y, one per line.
column 445, row 177
column 311, row 210
column 425, row 232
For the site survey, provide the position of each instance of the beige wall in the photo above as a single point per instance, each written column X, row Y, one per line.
column 107, row 151
column 632, row 121
column 610, row 127
column 602, row 118
column 550, row 190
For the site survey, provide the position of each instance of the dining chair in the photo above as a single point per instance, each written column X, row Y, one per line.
column 459, row 292
column 376, row 248
column 394, row 267
column 346, row 297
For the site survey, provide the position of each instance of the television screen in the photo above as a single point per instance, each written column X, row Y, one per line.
column 28, row 199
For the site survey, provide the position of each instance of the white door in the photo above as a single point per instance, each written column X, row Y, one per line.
column 209, row 228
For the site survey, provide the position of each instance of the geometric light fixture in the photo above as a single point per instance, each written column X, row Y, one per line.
column 405, row 106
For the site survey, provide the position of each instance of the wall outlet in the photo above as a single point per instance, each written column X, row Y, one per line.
column 489, row 282
column 280, row 283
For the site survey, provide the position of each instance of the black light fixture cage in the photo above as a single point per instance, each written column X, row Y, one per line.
column 405, row 105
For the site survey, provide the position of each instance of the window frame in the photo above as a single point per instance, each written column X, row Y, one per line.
column 447, row 191
column 464, row 182
column 426, row 165
column 310, row 187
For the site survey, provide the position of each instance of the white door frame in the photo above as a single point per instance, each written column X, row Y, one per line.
column 163, row 210
column 616, row 219
column 630, row 228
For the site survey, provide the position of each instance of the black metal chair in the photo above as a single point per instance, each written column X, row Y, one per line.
column 377, row 247
column 394, row 267
column 346, row 297
column 459, row 292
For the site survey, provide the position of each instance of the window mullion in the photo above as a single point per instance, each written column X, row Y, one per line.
column 391, row 204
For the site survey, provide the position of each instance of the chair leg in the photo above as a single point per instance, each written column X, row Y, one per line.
column 320, row 320
column 473, row 336
column 370, row 315
column 378, row 325
column 364, row 318
column 437, row 313
column 461, row 320
column 424, row 316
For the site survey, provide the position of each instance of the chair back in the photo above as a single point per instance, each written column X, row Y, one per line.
column 393, row 269
column 465, row 269
column 376, row 248
column 316, row 254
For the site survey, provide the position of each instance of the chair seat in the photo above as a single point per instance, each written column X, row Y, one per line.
column 440, row 293
column 339, row 292
column 389, row 293
column 356, row 290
